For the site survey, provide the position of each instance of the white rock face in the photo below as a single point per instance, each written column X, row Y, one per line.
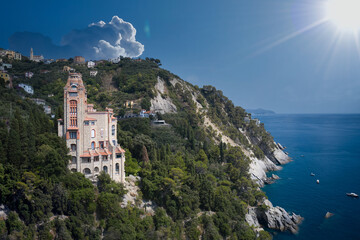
column 281, row 157
column 277, row 218
column 258, row 169
column 252, row 220
column 131, row 197
column 160, row 104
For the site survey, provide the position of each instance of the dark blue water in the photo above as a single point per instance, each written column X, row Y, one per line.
column 330, row 145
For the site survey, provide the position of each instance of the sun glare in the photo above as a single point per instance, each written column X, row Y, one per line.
column 345, row 14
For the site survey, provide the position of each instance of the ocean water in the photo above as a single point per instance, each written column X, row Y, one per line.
column 329, row 146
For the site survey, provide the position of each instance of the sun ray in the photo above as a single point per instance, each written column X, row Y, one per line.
column 291, row 36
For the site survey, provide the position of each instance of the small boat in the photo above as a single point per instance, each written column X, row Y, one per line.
column 317, row 181
column 301, row 155
column 312, row 174
column 352, row 195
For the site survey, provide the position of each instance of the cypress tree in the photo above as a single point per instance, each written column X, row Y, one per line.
column 221, row 152
column 144, row 155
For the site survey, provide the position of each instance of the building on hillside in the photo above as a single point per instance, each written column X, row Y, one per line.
column 39, row 101
column 27, row 88
column 49, row 61
column 93, row 73
column 90, row 64
column 10, row 54
column 257, row 121
column 36, row 58
column 247, row 119
column 68, row 69
column 29, row 74
column 17, row 56
column 6, row 65
column 90, row 135
column 129, row 103
column 47, row 109
column 61, row 60
column 79, row 60
column 5, row 76
column 146, row 114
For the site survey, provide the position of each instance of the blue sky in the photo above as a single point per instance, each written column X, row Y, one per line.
column 228, row 44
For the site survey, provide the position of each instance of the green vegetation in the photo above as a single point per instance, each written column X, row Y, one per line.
column 200, row 184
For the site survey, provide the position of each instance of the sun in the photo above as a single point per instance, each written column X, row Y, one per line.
column 345, row 14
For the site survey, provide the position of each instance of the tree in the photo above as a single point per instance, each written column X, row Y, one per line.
column 14, row 151
column 144, row 155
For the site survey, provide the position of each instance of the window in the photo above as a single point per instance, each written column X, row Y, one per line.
column 92, row 133
column 118, row 155
column 86, row 160
column 93, row 145
column 101, row 145
column 73, row 135
column 96, row 169
column 96, row 159
column 73, row 147
column 117, row 168
column 105, row 168
column 73, row 94
column 87, row 171
column 73, row 113
column 86, row 123
column 73, row 170
column 114, row 142
column 92, row 122
column 113, row 130
column 102, row 132
column 73, row 160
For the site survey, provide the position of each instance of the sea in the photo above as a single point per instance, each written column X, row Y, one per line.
column 327, row 145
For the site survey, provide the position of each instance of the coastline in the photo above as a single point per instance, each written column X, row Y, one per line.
column 265, row 215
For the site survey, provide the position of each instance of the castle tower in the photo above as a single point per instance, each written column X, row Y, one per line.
column 90, row 135
column 31, row 54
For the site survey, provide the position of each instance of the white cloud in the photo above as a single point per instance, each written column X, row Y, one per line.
column 98, row 40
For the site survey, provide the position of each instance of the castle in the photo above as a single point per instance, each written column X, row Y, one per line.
column 90, row 135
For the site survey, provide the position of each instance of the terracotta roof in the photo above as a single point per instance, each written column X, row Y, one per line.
column 85, row 154
column 103, row 153
column 119, row 150
column 94, row 153
column 59, row 119
column 73, row 128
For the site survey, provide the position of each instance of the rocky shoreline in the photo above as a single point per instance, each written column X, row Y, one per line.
column 265, row 215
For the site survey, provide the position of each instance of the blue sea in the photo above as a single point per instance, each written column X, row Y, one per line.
column 329, row 146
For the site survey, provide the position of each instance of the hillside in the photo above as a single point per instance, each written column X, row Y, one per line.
column 201, row 172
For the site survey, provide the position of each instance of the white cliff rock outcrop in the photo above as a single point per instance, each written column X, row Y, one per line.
column 162, row 103
column 132, row 196
column 274, row 218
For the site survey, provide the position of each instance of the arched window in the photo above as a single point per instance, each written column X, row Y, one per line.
column 105, row 168
column 117, row 168
column 96, row 169
column 93, row 145
column 87, row 171
column 113, row 130
column 92, row 133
